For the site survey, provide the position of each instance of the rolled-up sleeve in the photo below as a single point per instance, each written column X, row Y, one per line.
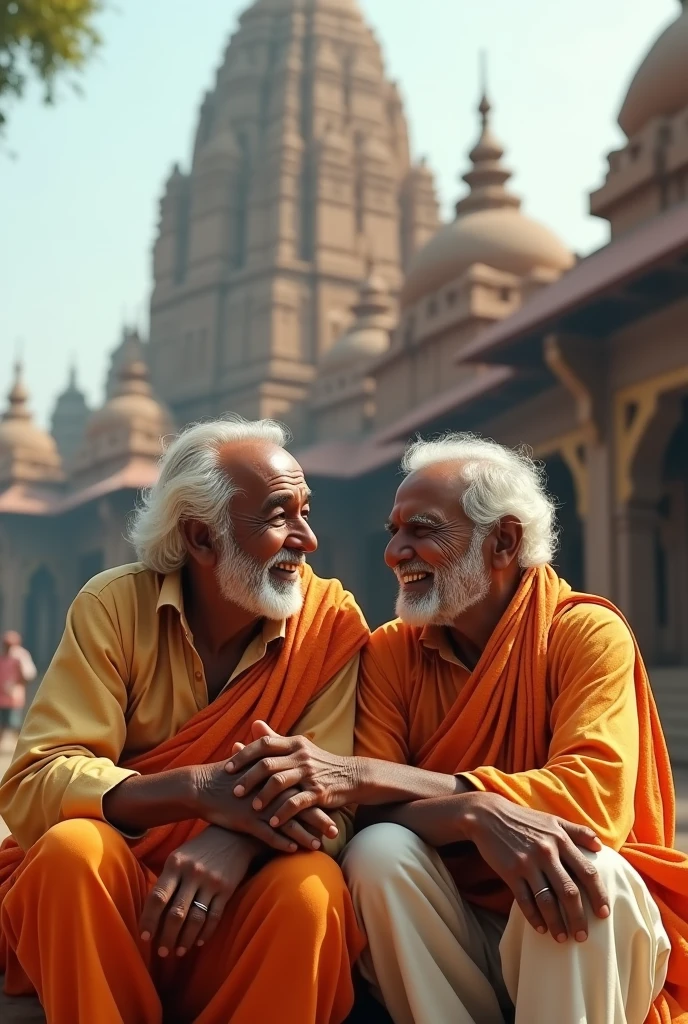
column 74, row 732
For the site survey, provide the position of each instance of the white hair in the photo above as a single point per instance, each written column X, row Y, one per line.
column 192, row 485
column 500, row 482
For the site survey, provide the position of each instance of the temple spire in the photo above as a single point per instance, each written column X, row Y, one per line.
column 485, row 107
column 488, row 176
column 18, row 397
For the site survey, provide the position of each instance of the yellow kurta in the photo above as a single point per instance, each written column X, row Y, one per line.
column 127, row 686
column 125, row 678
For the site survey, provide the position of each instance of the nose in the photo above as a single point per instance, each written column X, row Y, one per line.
column 398, row 551
column 302, row 538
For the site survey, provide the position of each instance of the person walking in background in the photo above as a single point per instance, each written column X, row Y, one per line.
column 16, row 671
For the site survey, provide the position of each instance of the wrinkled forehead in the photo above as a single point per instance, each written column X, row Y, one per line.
column 260, row 468
column 434, row 489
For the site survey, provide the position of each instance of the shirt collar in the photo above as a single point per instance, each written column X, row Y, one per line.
column 171, row 595
column 171, row 592
column 436, row 638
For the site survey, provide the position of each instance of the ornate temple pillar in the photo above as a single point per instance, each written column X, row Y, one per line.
column 579, row 364
column 636, row 531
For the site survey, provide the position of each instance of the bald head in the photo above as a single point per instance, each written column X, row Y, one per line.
column 257, row 465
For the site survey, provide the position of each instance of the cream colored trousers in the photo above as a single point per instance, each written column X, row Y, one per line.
column 434, row 959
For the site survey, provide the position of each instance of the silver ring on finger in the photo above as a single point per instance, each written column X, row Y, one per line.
column 201, row 906
column 546, row 888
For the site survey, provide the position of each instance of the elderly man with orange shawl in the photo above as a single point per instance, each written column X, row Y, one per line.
column 137, row 885
column 513, row 777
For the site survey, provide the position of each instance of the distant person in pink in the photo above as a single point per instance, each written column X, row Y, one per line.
column 16, row 670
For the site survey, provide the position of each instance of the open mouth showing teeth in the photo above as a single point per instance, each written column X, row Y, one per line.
column 289, row 567
column 414, row 577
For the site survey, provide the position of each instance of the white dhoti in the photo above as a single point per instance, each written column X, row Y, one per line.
column 432, row 958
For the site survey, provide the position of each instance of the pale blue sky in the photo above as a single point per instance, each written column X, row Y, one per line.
column 78, row 203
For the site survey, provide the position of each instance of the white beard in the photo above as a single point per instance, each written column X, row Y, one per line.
column 454, row 590
column 245, row 581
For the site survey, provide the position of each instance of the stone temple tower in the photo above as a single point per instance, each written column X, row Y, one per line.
column 300, row 178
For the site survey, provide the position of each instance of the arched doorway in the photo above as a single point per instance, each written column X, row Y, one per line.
column 40, row 618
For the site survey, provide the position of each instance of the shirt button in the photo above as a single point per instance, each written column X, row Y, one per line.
column 199, row 675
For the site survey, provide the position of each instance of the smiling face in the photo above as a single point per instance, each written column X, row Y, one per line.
column 259, row 559
column 435, row 551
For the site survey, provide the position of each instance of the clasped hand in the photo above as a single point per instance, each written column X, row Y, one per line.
column 294, row 774
column 219, row 805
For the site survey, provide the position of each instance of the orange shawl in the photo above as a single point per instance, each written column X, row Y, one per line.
column 319, row 642
column 505, row 707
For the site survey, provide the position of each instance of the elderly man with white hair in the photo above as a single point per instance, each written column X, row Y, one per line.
column 136, row 884
column 514, row 790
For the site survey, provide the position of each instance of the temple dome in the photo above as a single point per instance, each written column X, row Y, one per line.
column 369, row 335
column 27, row 452
column 489, row 228
column 132, row 408
column 660, row 85
column 503, row 239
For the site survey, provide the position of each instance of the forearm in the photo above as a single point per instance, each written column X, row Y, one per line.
column 384, row 782
column 440, row 821
column 586, row 791
column 141, row 802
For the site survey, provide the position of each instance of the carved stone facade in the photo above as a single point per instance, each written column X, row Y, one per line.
column 300, row 175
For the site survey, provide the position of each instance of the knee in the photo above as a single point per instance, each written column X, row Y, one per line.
column 378, row 855
column 304, row 887
column 632, row 907
column 75, row 846
column 617, row 876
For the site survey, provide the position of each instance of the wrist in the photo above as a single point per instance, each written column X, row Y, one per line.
column 359, row 779
column 469, row 806
column 191, row 791
column 239, row 845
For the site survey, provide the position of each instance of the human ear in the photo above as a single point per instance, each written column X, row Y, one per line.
column 199, row 542
column 507, row 538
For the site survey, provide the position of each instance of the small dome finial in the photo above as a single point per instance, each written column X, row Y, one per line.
column 484, row 106
column 488, row 176
column 18, row 397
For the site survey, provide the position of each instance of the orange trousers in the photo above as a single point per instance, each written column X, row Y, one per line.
column 283, row 951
